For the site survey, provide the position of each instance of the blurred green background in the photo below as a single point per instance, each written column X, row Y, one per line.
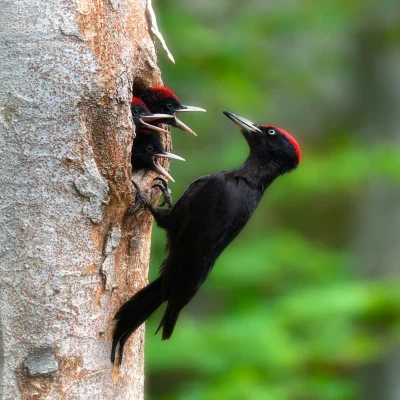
column 305, row 304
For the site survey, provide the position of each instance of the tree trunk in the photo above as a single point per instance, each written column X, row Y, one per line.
column 69, row 256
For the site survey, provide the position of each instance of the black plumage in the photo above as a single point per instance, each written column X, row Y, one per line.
column 202, row 223
column 141, row 116
column 160, row 99
column 147, row 150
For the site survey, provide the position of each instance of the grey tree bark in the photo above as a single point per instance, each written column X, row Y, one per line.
column 69, row 256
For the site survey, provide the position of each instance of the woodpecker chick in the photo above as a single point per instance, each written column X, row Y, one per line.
column 141, row 116
column 147, row 149
column 202, row 223
column 160, row 99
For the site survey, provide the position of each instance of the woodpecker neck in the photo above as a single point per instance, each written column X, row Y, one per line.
column 259, row 171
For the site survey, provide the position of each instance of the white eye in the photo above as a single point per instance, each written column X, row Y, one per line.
column 272, row 131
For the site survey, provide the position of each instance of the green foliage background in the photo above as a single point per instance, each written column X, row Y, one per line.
column 289, row 311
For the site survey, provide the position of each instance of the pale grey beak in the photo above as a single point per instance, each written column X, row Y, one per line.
column 190, row 108
column 154, row 117
column 160, row 169
column 243, row 123
column 181, row 125
column 170, row 155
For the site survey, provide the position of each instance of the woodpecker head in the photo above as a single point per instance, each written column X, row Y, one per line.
column 269, row 142
column 147, row 150
column 160, row 99
column 141, row 116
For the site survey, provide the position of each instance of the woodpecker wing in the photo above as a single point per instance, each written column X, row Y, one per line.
column 206, row 218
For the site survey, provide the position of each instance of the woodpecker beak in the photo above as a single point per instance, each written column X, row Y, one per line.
column 154, row 117
column 160, row 169
column 180, row 124
column 243, row 123
column 190, row 108
column 165, row 154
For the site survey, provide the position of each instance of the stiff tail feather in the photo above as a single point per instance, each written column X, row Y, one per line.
column 133, row 313
column 168, row 322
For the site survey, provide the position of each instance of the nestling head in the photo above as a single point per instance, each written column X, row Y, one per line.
column 141, row 116
column 160, row 99
column 138, row 109
column 147, row 150
column 273, row 144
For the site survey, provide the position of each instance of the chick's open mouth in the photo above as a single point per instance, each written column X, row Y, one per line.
column 160, row 169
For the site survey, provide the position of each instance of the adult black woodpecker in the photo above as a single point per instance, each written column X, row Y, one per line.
column 160, row 99
column 202, row 223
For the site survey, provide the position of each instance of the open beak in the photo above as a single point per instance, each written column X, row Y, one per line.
column 190, row 108
column 179, row 124
column 243, row 123
column 160, row 169
column 154, row 117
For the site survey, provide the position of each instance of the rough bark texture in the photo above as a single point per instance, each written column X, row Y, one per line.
column 69, row 256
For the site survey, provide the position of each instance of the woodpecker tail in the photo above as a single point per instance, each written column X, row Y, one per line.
column 168, row 321
column 133, row 313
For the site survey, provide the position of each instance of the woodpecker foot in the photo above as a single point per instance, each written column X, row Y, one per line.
column 165, row 190
column 135, row 208
column 139, row 201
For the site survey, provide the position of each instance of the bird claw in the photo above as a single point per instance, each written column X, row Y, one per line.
column 134, row 209
column 165, row 190
column 139, row 200
column 167, row 196
column 163, row 181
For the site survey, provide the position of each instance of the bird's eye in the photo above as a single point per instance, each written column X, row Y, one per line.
column 135, row 111
column 272, row 131
column 149, row 148
column 170, row 106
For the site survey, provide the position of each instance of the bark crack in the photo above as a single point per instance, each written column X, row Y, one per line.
column 108, row 265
